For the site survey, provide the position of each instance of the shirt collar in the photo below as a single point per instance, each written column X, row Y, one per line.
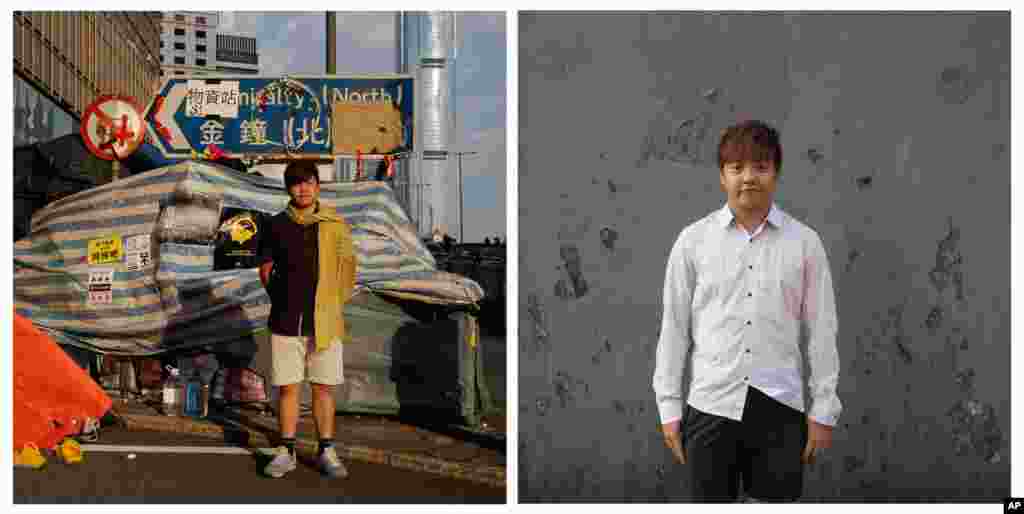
column 726, row 216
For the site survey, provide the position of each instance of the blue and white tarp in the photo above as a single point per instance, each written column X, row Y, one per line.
column 79, row 275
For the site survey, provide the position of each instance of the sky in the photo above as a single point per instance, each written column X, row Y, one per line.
column 293, row 43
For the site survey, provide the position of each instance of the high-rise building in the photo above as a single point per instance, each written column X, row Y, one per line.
column 192, row 43
column 237, row 55
column 64, row 61
column 188, row 43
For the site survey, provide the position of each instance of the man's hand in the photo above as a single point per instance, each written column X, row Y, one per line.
column 819, row 437
column 674, row 440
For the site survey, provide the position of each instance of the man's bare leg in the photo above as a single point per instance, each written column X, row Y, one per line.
column 288, row 410
column 323, row 410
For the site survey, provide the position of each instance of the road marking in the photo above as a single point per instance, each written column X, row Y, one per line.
column 117, row 448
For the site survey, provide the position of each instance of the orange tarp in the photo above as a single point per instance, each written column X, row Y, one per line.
column 52, row 395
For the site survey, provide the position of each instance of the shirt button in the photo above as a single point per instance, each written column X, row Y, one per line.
column 748, row 322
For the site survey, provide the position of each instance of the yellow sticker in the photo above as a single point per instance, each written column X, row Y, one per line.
column 241, row 228
column 105, row 250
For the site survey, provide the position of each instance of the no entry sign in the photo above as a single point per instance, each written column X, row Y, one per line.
column 112, row 127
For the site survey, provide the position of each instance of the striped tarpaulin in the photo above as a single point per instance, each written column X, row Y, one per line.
column 178, row 301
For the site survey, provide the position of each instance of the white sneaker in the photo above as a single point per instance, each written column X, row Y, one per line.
column 283, row 462
column 330, row 464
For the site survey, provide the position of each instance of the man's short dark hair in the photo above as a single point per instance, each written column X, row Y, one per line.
column 751, row 140
column 300, row 171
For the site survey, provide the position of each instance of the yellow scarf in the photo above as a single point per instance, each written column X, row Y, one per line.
column 337, row 271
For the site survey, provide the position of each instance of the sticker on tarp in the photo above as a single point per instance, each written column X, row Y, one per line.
column 237, row 239
column 101, row 283
column 137, row 261
column 239, row 228
column 140, row 243
column 220, row 99
column 137, row 252
column 105, row 250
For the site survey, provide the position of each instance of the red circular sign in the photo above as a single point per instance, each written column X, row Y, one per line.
column 112, row 127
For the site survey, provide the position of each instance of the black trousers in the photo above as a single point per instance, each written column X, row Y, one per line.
column 764, row 448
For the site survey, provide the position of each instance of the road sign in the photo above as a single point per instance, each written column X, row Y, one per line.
column 268, row 117
column 112, row 127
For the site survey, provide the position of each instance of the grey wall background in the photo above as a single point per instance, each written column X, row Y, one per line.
column 895, row 130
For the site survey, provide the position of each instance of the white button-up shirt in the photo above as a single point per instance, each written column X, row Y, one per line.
column 738, row 301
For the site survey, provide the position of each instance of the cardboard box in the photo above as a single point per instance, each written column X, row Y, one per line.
column 368, row 128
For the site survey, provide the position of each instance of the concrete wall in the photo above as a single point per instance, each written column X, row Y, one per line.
column 895, row 130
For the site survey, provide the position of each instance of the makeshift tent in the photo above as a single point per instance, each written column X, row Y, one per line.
column 62, row 166
column 53, row 397
column 81, row 277
column 174, row 299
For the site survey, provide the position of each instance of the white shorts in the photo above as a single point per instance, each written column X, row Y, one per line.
column 292, row 362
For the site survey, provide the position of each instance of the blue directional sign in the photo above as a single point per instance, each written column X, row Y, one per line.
column 247, row 116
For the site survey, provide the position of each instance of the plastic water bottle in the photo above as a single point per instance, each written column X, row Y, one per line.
column 193, row 397
column 172, row 393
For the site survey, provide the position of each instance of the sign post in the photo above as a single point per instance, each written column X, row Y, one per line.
column 271, row 118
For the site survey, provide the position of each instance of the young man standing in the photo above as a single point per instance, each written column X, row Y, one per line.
column 308, row 265
column 739, row 284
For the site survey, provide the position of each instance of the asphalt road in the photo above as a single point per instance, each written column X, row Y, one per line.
column 202, row 478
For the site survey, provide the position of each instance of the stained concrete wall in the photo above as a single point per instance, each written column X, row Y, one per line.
column 895, row 131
